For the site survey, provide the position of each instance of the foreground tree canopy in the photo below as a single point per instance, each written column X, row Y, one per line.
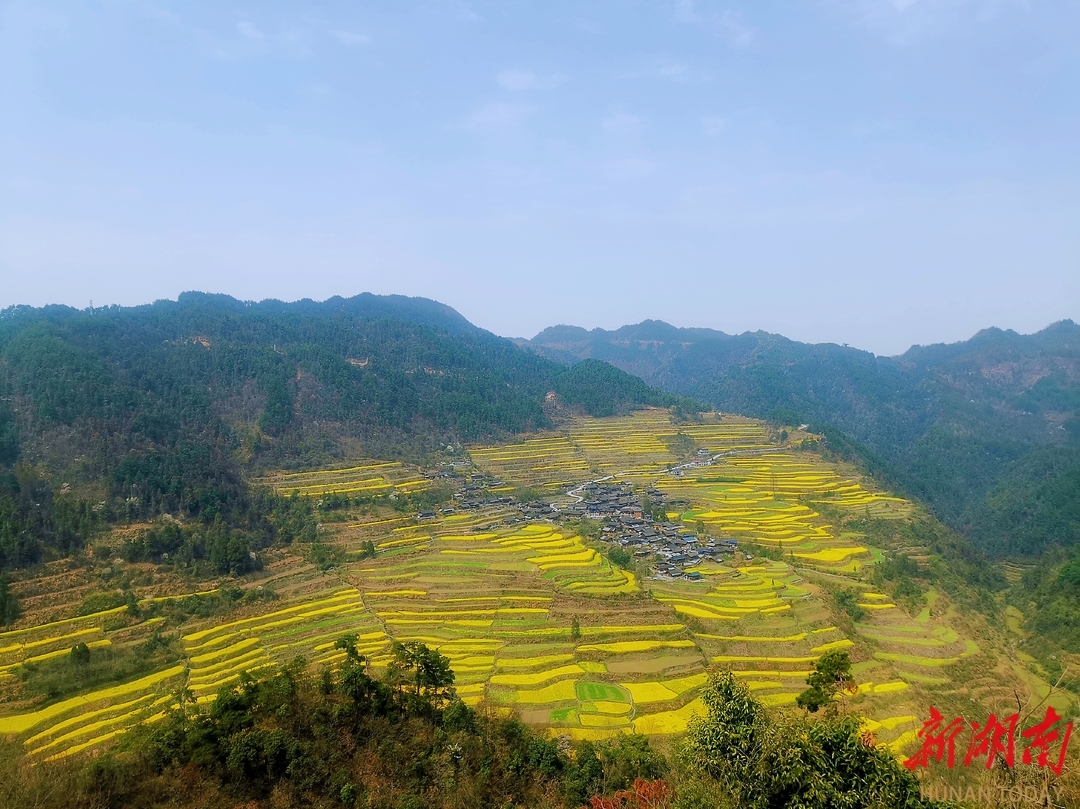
column 328, row 738
column 747, row 758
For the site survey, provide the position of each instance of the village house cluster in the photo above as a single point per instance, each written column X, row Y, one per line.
column 475, row 494
column 640, row 526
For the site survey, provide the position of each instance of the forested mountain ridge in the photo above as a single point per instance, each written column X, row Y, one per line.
column 166, row 402
column 394, row 363
column 986, row 431
column 160, row 408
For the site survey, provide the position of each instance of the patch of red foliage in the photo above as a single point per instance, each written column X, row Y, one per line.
column 642, row 795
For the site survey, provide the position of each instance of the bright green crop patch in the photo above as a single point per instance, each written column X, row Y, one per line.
column 590, row 691
column 930, row 662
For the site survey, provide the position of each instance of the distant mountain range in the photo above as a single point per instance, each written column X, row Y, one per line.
column 170, row 401
column 986, row 431
column 163, row 407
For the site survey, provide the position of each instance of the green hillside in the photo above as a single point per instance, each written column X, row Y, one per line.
column 985, row 431
column 504, row 572
column 119, row 413
column 336, row 511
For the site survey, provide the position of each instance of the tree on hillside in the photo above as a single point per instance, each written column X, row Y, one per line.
column 9, row 606
column 429, row 671
column 9, row 437
column 831, row 675
column 347, row 643
column 745, row 758
column 80, row 655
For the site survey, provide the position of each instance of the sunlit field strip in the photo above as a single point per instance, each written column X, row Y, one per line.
column 629, row 646
column 36, row 644
column 915, row 660
column 212, row 680
column 843, row 643
column 349, row 470
column 892, row 687
column 365, row 640
column 207, row 691
column 538, row 677
column 757, row 638
column 668, row 723
column 94, row 644
column 119, row 722
column 87, row 717
column 793, row 674
column 225, row 651
column 590, row 631
column 532, row 662
column 20, row 723
column 757, row 659
column 562, row 691
column 96, row 616
column 830, row 554
column 647, row 692
column 341, row 598
column 206, row 674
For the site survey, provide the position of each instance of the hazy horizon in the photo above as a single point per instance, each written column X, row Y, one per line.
column 99, row 305
column 880, row 173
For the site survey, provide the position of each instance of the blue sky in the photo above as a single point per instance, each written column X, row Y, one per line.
column 872, row 172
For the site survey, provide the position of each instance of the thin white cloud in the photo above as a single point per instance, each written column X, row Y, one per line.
column 866, row 129
column 907, row 21
column 678, row 72
column 669, row 70
column 247, row 30
column 351, row 38
column 518, row 80
column 621, row 123
column 1041, row 67
column 293, row 42
column 725, row 23
column 317, row 90
column 630, row 168
column 497, row 119
column 462, row 10
column 736, row 32
column 686, row 11
column 714, row 125
column 247, row 39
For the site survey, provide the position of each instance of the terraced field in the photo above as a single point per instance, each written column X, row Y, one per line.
column 308, row 628
column 502, row 598
column 90, row 718
column 370, row 478
column 550, row 461
column 635, row 446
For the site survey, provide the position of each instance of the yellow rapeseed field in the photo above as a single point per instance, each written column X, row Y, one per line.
column 562, row 691
column 627, row 646
column 668, row 722
column 649, row 692
column 537, row 677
